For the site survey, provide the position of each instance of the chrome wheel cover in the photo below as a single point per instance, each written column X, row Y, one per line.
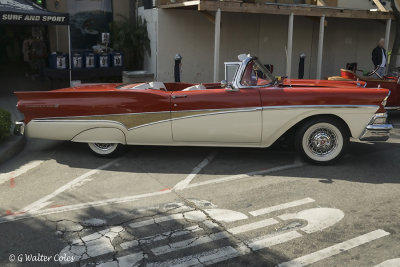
column 103, row 148
column 322, row 142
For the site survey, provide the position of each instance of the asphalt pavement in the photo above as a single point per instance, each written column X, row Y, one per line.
column 190, row 206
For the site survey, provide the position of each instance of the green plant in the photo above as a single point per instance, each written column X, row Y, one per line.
column 132, row 39
column 5, row 123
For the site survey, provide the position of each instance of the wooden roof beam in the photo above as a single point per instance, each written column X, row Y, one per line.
column 262, row 8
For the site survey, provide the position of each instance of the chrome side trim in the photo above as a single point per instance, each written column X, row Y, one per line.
column 321, row 106
column 377, row 131
column 392, row 108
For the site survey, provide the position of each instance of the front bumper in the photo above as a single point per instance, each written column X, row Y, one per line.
column 377, row 130
column 19, row 128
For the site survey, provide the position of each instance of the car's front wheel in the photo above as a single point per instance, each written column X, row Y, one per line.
column 106, row 149
column 322, row 140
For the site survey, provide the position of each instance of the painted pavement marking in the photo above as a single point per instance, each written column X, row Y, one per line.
column 35, row 212
column 184, row 183
column 44, row 201
column 282, row 206
column 389, row 263
column 5, row 177
column 335, row 249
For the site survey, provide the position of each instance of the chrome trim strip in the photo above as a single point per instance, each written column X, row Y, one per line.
column 321, row 106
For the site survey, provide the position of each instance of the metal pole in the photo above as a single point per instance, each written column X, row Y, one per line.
column 217, row 44
column 320, row 46
column 387, row 34
column 289, row 47
column 70, row 56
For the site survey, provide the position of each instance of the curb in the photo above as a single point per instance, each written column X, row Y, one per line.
column 11, row 146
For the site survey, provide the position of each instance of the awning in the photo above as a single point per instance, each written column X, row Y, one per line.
column 26, row 12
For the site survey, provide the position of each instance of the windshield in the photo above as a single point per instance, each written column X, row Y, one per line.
column 256, row 74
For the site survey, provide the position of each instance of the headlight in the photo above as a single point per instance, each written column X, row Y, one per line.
column 384, row 102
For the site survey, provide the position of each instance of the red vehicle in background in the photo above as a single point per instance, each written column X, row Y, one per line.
column 374, row 80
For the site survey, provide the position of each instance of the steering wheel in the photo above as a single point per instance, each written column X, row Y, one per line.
column 375, row 72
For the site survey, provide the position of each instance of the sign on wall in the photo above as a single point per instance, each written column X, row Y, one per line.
column 89, row 18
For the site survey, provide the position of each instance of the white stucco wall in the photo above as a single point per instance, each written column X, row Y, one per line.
column 191, row 34
column 151, row 17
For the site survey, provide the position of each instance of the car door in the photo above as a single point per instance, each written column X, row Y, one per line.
column 219, row 115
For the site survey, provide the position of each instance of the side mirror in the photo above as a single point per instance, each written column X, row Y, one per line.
column 224, row 83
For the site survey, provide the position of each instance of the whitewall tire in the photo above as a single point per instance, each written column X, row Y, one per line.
column 105, row 149
column 322, row 140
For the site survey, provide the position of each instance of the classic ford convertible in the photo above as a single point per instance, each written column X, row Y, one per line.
column 252, row 109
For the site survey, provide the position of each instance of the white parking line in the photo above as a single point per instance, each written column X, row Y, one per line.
column 182, row 184
column 389, row 263
column 335, row 249
column 40, row 203
column 4, row 177
column 191, row 242
column 282, row 206
column 247, row 175
column 112, row 201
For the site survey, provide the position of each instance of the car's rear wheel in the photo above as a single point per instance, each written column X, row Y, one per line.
column 322, row 140
column 106, row 149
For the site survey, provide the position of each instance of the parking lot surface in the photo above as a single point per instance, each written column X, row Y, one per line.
column 190, row 206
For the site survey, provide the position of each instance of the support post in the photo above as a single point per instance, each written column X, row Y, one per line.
column 217, row 39
column 320, row 46
column 387, row 34
column 289, row 47
column 69, row 56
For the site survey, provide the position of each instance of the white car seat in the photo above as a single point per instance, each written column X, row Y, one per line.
column 150, row 85
column 195, row 87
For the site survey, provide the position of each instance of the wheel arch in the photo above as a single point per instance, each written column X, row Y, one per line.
column 290, row 133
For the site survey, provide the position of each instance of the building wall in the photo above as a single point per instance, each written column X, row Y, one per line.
column 151, row 17
column 191, row 34
column 361, row 4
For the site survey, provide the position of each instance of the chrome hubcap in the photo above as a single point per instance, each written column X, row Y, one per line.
column 322, row 142
column 104, row 146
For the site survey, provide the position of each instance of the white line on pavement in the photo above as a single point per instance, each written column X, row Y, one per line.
column 252, row 226
column 212, row 237
column 112, row 201
column 4, row 177
column 282, row 206
column 389, row 263
column 335, row 249
column 39, row 204
column 247, row 175
column 182, row 184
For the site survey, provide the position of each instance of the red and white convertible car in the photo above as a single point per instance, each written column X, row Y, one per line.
column 252, row 110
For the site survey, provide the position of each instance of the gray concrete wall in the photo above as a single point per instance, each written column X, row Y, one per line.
column 191, row 34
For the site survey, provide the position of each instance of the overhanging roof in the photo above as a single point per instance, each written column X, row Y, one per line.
column 279, row 9
column 26, row 12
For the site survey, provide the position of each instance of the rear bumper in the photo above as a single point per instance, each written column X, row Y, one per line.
column 377, row 130
column 19, row 128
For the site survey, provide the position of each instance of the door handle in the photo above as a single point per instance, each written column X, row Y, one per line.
column 179, row 96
